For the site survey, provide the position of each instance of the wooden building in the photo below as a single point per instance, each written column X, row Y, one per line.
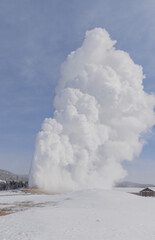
column 147, row 192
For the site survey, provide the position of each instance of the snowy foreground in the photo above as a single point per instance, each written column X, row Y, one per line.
column 82, row 215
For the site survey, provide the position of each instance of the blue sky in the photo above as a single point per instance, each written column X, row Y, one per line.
column 36, row 37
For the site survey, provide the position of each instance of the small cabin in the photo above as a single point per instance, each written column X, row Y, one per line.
column 147, row 192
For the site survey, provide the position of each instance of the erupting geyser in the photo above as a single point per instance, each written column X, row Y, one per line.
column 101, row 116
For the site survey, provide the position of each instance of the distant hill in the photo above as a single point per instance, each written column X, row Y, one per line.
column 6, row 176
column 133, row 184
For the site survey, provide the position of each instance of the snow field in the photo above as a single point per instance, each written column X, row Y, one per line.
column 82, row 215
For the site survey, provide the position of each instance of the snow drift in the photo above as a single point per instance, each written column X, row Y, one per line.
column 102, row 114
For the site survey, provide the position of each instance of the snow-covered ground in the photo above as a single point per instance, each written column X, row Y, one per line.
column 81, row 215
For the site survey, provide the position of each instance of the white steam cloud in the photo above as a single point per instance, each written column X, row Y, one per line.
column 101, row 116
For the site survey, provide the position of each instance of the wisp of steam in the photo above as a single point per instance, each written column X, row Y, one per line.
column 102, row 115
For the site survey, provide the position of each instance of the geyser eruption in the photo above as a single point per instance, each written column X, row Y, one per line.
column 101, row 116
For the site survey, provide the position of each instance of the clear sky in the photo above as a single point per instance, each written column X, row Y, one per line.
column 35, row 38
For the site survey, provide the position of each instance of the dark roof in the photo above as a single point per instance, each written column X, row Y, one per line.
column 147, row 190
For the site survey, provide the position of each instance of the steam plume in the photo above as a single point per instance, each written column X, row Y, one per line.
column 101, row 116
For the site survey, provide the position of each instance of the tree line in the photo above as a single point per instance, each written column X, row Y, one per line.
column 13, row 185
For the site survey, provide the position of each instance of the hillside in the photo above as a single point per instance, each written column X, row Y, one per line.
column 10, row 180
column 9, row 176
column 127, row 184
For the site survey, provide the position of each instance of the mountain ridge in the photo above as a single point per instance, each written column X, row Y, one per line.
column 7, row 176
column 133, row 184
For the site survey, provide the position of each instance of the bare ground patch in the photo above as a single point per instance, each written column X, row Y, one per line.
column 33, row 191
column 6, row 211
column 20, row 206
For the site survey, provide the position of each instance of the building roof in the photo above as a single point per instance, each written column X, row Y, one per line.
column 147, row 190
